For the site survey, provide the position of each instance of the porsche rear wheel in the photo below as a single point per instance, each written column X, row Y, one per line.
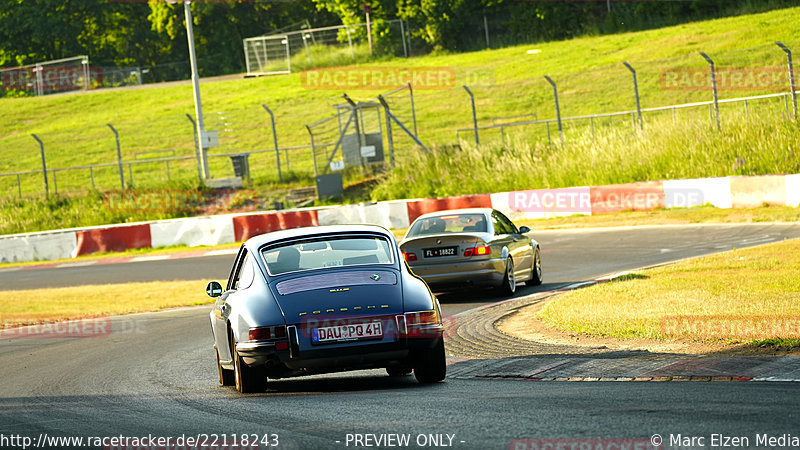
column 226, row 376
column 536, row 270
column 509, row 284
column 247, row 379
column 398, row 371
column 431, row 365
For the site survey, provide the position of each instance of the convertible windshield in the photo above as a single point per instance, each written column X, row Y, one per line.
column 452, row 223
column 319, row 253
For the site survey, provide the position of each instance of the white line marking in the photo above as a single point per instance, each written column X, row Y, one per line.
column 150, row 258
column 227, row 251
column 77, row 264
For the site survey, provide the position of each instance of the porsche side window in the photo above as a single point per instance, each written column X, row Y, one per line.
column 247, row 274
column 233, row 283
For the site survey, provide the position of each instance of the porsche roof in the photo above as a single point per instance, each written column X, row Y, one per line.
column 293, row 233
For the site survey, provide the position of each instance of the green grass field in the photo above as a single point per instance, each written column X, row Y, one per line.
column 746, row 295
column 507, row 82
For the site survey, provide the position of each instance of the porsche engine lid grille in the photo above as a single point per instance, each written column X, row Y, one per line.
column 338, row 279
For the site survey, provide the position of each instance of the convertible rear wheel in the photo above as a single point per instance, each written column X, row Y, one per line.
column 431, row 366
column 247, row 379
column 536, row 270
column 509, row 284
column 226, row 376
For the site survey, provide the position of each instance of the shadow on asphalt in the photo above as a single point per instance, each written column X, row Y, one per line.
column 489, row 295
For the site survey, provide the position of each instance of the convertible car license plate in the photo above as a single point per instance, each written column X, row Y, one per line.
column 351, row 332
column 441, row 251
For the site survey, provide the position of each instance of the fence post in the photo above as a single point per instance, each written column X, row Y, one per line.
column 119, row 157
column 389, row 137
column 44, row 166
column 636, row 93
column 55, row 182
column 791, row 76
column 313, row 151
column 308, row 52
column 558, row 109
column 196, row 148
column 486, row 30
column 91, row 175
column 713, row 86
column 413, row 109
column 350, row 43
column 275, row 141
column 403, row 37
column 474, row 115
column 19, row 186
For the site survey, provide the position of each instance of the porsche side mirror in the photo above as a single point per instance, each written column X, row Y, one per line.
column 523, row 229
column 214, row 289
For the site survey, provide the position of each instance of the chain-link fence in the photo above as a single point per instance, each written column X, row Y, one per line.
column 317, row 134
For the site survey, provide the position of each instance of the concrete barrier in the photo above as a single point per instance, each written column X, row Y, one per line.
column 193, row 231
column 112, row 239
column 45, row 246
column 723, row 192
column 697, row 192
column 793, row 190
column 417, row 208
column 754, row 191
column 249, row 225
column 641, row 196
column 544, row 203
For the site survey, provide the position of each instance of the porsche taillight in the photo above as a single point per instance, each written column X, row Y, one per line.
column 267, row 333
column 423, row 318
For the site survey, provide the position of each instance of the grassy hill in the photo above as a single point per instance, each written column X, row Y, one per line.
column 506, row 82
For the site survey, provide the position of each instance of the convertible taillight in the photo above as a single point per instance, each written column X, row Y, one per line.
column 267, row 333
column 409, row 256
column 478, row 251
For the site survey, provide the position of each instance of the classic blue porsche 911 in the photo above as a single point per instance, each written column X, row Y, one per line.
column 324, row 299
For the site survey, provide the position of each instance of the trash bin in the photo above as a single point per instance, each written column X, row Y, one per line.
column 241, row 165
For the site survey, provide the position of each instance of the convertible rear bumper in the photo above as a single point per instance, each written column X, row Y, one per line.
column 488, row 272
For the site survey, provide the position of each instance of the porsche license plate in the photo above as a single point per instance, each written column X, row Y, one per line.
column 441, row 251
column 351, row 332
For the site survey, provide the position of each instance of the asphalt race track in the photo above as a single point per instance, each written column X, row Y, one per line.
column 155, row 374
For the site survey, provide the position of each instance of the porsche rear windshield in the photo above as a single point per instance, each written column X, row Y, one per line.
column 318, row 253
column 452, row 223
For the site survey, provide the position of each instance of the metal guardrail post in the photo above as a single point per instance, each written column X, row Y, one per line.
column 791, row 76
column 636, row 93
column 474, row 114
column 119, row 158
column 275, row 142
column 713, row 86
column 558, row 109
column 196, row 148
column 44, row 166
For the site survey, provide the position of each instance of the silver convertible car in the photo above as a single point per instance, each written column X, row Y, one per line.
column 463, row 248
column 324, row 299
